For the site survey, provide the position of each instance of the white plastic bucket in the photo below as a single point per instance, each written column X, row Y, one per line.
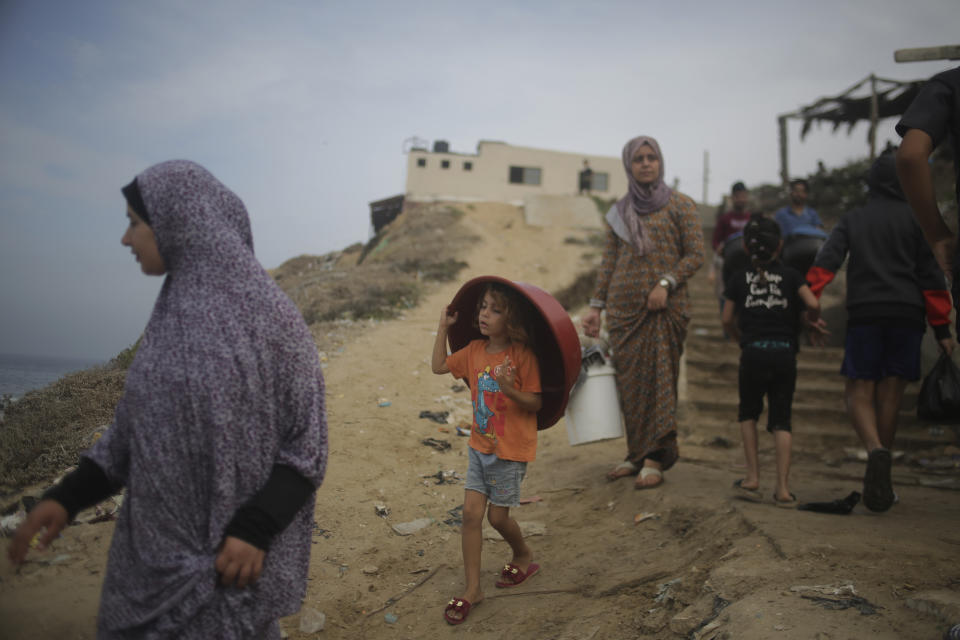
column 593, row 412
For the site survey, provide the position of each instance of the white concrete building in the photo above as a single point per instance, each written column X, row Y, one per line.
column 499, row 172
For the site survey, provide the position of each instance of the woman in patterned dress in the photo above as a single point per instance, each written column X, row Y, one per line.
column 220, row 438
column 654, row 245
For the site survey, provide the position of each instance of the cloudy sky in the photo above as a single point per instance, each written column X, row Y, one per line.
column 303, row 108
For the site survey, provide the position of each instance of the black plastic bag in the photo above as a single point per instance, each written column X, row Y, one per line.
column 940, row 392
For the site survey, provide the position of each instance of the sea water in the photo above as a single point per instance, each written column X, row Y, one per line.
column 19, row 373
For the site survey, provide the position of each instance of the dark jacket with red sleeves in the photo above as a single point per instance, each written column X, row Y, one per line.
column 892, row 277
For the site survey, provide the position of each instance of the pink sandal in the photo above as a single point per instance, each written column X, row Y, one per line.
column 512, row 575
column 457, row 605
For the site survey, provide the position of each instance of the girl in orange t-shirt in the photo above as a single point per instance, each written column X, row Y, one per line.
column 504, row 381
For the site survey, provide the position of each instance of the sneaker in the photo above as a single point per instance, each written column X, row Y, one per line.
column 877, row 485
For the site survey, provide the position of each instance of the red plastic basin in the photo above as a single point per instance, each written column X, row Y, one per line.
column 554, row 342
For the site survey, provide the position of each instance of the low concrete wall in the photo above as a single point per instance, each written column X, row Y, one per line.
column 562, row 211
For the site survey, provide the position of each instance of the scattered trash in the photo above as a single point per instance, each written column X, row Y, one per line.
column 463, row 431
column 445, row 477
column 853, row 453
column 443, row 430
column 864, row 606
column 720, row 442
column 826, row 589
column 407, row 528
column 439, row 445
column 860, row 455
column 383, row 402
column 641, row 517
column 370, row 570
column 311, row 620
column 390, row 618
column 60, row 559
column 841, row 507
column 455, row 519
column 342, row 570
column 381, row 509
column 439, row 417
column 531, row 500
column 457, row 388
column 701, row 331
column 103, row 512
column 664, row 595
column 9, row 524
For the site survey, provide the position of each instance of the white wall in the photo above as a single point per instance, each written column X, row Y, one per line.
column 488, row 180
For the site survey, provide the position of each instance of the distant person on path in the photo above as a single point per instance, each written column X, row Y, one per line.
column 729, row 224
column 933, row 117
column 654, row 246
column 893, row 282
column 586, row 178
column 504, row 380
column 220, row 438
column 797, row 214
column 762, row 313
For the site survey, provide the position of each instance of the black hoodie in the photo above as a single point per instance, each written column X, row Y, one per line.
column 892, row 277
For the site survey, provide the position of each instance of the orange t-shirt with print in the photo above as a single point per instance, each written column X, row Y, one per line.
column 500, row 426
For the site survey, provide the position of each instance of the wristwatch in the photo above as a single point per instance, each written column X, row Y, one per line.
column 664, row 283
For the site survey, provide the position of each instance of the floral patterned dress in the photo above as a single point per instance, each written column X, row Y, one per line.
column 647, row 345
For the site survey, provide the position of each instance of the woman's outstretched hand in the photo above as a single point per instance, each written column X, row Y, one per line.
column 238, row 562
column 591, row 322
column 48, row 514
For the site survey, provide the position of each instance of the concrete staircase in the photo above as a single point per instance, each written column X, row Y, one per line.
column 820, row 422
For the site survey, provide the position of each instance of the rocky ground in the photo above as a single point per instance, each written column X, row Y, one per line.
column 698, row 564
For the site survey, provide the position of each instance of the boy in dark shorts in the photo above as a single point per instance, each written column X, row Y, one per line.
column 761, row 310
column 893, row 282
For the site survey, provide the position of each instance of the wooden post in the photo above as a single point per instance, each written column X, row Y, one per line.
column 947, row 52
column 784, row 170
column 874, row 116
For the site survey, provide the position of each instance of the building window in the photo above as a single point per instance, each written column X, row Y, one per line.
column 421, row 162
column 444, row 164
column 468, row 166
column 599, row 181
column 524, row 175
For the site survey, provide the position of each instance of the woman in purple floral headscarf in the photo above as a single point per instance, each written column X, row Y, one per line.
column 220, row 438
column 654, row 245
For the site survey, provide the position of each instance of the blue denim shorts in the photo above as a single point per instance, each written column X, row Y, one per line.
column 497, row 479
column 875, row 352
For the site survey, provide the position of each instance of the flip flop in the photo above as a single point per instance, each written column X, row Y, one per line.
column 645, row 473
column 745, row 493
column 877, row 485
column 512, row 575
column 457, row 605
column 785, row 504
column 622, row 470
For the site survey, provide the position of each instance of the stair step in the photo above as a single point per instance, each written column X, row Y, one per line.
column 819, row 434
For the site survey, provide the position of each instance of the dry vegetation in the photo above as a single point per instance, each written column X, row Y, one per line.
column 45, row 431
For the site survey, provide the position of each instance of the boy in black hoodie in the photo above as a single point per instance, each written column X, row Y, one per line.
column 893, row 281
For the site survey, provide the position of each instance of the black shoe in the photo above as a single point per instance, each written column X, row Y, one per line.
column 877, row 486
